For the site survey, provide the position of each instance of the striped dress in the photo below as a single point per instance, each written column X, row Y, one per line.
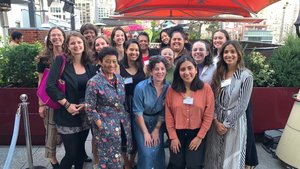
column 228, row 151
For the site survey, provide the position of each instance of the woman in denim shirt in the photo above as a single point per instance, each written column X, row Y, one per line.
column 148, row 107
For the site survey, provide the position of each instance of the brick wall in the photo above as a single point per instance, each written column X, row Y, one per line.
column 31, row 35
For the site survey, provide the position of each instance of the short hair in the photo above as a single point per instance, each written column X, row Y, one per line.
column 16, row 35
column 88, row 26
column 105, row 52
column 156, row 59
column 178, row 84
column 113, row 33
column 208, row 60
column 178, row 29
column 143, row 34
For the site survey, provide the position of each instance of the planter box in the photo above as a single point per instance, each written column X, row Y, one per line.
column 9, row 100
column 271, row 107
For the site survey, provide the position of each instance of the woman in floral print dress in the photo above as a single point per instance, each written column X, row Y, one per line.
column 105, row 99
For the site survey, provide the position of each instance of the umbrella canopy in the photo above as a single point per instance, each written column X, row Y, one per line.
column 136, row 16
column 236, row 7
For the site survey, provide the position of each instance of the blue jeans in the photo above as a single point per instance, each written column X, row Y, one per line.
column 149, row 157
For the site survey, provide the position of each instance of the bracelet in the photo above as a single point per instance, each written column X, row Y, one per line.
column 41, row 105
column 67, row 104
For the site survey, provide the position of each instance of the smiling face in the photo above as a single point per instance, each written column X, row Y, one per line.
column 109, row 64
column 89, row 35
column 199, row 52
column 177, row 42
column 76, row 45
column 100, row 43
column 168, row 54
column 119, row 37
column 219, row 39
column 159, row 72
column 56, row 37
column 165, row 38
column 132, row 52
column 230, row 56
column 187, row 72
column 144, row 42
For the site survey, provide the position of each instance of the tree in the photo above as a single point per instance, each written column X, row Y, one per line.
column 213, row 26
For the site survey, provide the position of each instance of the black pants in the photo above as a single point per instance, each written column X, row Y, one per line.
column 187, row 158
column 74, row 146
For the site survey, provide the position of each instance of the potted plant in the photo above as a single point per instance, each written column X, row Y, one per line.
column 18, row 76
column 275, row 80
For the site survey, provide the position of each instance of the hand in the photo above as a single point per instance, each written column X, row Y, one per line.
column 42, row 111
column 80, row 106
column 195, row 143
column 99, row 124
column 155, row 136
column 221, row 129
column 148, row 140
column 73, row 109
column 175, row 145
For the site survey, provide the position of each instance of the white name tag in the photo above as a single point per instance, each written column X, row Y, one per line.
column 225, row 82
column 128, row 80
column 146, row 62
column 188, row 100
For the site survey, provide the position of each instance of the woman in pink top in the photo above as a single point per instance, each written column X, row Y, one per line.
column 189, row 112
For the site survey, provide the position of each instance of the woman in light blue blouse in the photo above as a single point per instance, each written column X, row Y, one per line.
column 148, row 107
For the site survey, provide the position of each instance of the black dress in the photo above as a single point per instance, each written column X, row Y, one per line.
column 251, row 153
column 130, row 82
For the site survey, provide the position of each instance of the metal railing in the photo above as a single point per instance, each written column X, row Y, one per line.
column 23, row 107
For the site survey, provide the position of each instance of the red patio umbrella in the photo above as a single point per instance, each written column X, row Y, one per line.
column 184, row 16
column 236, row 7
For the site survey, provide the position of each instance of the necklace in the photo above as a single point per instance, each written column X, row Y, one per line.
column 112, row 81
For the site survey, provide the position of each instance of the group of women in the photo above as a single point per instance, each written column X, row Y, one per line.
column 198, row 97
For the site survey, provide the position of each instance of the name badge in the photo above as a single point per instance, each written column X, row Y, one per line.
column 146, row 62
column 128, row 80
column 188, row 100
column 225, row 82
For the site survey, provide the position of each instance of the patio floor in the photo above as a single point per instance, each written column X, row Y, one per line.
column 266, row 161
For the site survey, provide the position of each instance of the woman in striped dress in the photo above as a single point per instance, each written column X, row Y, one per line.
column 232, row 85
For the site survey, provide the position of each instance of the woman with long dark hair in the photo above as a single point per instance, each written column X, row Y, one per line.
column 232, row 85
column 71, row 120
column 118, row 38
column 189, row 113
column 131, row 69
column 218, row 39
column 203, row 56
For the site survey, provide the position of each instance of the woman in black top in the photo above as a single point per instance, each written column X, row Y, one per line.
column 71, row 120
column 131, row 69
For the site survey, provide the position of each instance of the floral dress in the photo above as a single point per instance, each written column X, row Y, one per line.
column 105, row 101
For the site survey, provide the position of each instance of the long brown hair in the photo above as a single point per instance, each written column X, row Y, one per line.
column 85, row 58
column 222, row 67
column 48, row 54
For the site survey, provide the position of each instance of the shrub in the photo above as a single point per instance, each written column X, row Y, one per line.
column 263, row 74
column 18, row 68
column 285, row 61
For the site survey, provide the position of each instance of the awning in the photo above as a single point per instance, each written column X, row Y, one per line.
column 184, row 17
column 237, row 7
